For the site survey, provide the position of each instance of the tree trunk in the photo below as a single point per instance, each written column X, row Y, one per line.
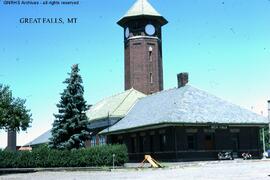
column 11, row 141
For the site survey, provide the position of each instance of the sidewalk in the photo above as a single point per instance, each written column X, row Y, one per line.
column 196, row 163
column 32, row 170
column 127, row 166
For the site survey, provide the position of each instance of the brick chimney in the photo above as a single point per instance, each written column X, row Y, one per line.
column 182, row 79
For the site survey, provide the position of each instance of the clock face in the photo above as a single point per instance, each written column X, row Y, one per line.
column 127, row 32
column 150, row 29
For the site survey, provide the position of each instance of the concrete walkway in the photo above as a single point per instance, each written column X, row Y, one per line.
column 237, row 169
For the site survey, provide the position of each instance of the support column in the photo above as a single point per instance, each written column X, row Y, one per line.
column 263, row 140
column 175, row 143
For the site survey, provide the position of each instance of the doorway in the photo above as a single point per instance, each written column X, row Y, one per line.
column 209, row 141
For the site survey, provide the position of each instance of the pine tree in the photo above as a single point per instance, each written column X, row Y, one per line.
column 70, row 125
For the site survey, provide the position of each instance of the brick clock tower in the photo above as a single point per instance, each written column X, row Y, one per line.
column 143, row 47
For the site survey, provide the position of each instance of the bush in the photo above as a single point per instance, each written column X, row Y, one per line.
column 45, row 157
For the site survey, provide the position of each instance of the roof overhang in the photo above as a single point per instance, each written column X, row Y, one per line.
column 162, row 125
column 122, row 22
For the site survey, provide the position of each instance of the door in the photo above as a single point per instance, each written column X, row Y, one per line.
column 209, row 141
column 235, row 142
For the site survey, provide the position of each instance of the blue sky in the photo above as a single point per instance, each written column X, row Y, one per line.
column 223, row 44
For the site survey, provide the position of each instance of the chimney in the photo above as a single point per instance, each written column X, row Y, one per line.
column 182, row 79
column 11, row 140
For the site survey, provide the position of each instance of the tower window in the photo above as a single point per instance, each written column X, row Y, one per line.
column 151, row 77
column 150, row 50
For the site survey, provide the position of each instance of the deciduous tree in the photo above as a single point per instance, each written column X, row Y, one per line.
column 13, row 113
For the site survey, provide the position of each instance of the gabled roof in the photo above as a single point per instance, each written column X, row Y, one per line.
column 142, row 8
column 114, row 106
column 185, row 105
column 42, row 139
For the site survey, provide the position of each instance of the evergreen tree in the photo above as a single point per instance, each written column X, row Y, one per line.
column 70, row 125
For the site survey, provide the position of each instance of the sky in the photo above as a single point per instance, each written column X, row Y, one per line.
column 223, row 44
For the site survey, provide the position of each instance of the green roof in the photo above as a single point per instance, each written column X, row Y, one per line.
column 114, row 106
column 142, row 8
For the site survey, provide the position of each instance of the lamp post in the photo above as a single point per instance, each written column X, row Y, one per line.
column 263, row 143
column 113, row 159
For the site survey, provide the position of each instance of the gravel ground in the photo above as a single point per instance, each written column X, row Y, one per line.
column 199, row 170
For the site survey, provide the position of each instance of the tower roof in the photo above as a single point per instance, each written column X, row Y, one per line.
column 142, row 8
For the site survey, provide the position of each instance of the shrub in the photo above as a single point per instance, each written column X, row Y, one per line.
column 45, row 157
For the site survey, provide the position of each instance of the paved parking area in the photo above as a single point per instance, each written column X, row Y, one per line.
column 239, row 170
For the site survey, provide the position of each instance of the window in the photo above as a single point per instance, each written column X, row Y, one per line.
column 151, row 78
column 191, row 141
column 102, row 140
column 162, row 141
column 133, row 145
column 137, row 44
column 150, row 50
column 120, row 139
column 142, row 143
column 93, row 141
column 151, row 143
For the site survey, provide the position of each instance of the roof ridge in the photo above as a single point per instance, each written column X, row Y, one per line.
column 104, row 98
column 163, row 91
column 130, row 91
column 142, row 6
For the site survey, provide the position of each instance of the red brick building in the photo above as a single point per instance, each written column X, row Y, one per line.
column 143, row 48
